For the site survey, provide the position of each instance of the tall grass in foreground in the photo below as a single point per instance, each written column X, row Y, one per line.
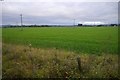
column 28, row 62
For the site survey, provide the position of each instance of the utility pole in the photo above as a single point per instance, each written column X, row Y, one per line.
column 74, row 22
column 21, row 21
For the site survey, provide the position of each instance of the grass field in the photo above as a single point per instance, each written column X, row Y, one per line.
column 55, row 51
column 80, row 40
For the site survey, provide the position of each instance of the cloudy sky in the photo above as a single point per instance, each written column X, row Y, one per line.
column 59, row 12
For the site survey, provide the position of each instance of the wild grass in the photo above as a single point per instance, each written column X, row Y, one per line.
column 28, row 62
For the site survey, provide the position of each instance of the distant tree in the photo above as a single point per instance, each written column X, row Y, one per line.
column 79, row 24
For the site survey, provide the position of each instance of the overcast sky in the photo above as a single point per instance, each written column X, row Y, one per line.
column 59, row 12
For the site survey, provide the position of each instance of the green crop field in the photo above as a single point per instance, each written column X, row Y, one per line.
column 80, row 39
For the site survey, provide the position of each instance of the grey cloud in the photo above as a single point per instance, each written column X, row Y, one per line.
column 59, row 12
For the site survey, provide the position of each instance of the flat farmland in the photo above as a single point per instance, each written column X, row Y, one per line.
column 92, row 40
column 60, row 52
